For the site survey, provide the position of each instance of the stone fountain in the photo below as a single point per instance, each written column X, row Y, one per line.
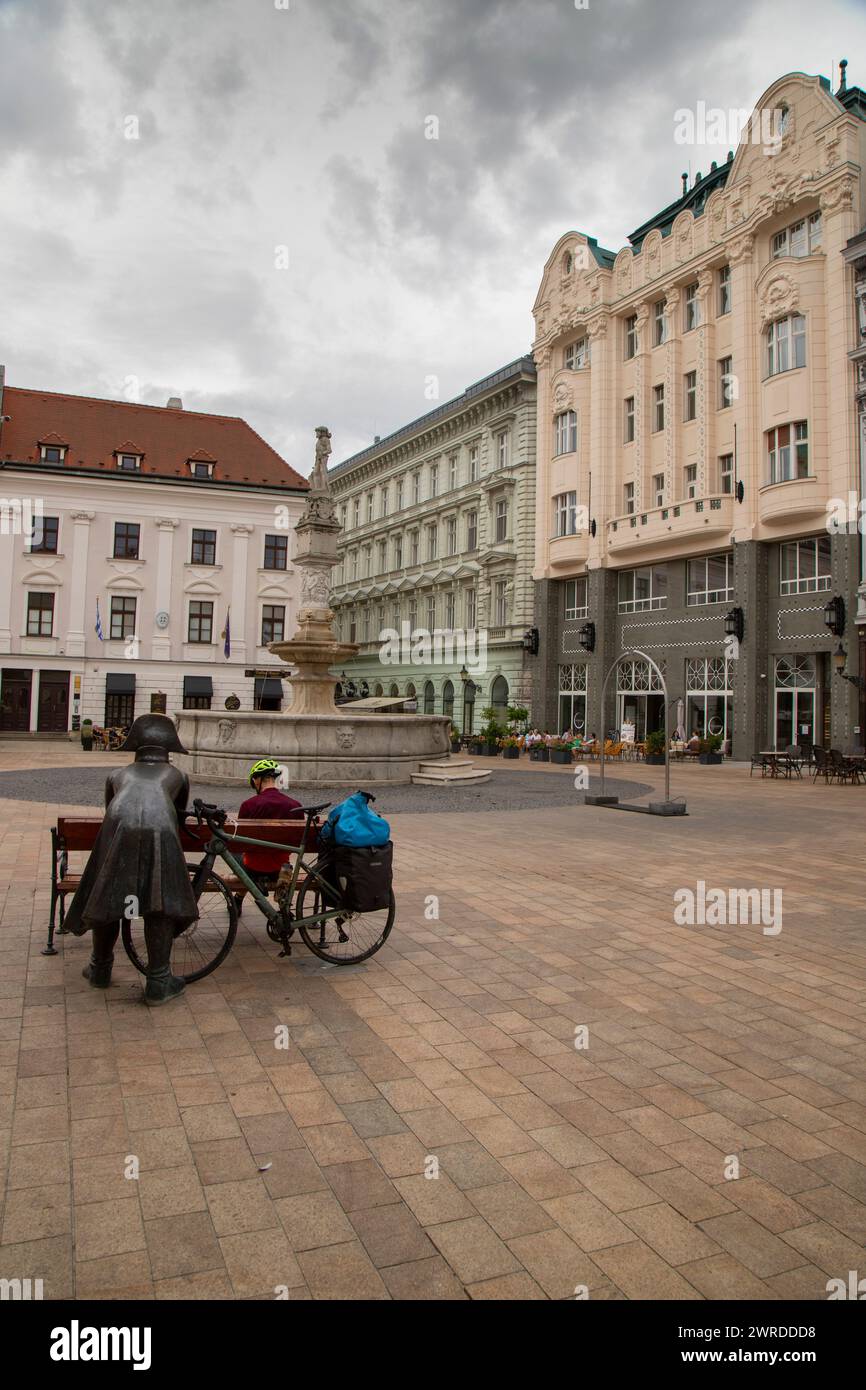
column 317, row 741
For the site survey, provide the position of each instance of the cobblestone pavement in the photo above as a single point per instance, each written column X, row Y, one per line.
column 710, row 1050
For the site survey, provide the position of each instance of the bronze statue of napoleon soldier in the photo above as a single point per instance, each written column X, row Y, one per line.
column 137, row 865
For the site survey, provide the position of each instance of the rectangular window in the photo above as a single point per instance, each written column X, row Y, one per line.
column 710, row 579
column 369, row 506
column 788, row 452
column 658, row 408
column 643, row 588
column 660, row 331
column 449, row 610
column 367, row 556
column 203, row 547
column 127, row 540
column 628, row 429
column 473, row 464
column 786, row 344
column 434, row 480
column 628, row 498
column 353, row 565
column 724, row 290
column 432, row 542
column 43, row 536
column 273, row 623
column 52, row 453
column 276, row 552
column 451, row 536
column 344, row 511
column 691, row 309
column 200, row 621
column 365, row 625
column 398, row 552
column 413, row 546
column 431, row 613
column 416, row 488
column 575, row 355
column 356, row 512
column 472, row 531
column 500, row 604
column 800, row 239
column 399, row 501
column 40, row 615
column 690, row 396
column 128, row 462
column 383, row 557
column 575, row 599
column 659, row 489
column 452, row 472
column 383, row 501
column 502, row 449
column 690, row 480
column 566, row 432
column 726, row 382
column 726, row 473
column 565, row 514
column 470, row 608
column 630, row 336
column 122, row 617
column 501, row 520
column 804, row 566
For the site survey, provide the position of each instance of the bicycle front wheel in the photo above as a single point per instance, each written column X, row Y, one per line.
column 343, row 940
column 200, row 947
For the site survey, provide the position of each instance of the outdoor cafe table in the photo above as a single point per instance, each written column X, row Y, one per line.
column 782, row 764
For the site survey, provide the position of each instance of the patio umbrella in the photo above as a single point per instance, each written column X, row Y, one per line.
column 680, row 732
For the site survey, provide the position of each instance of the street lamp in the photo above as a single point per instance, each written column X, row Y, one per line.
column 834, row 615
column 735, row 624
column 840, row 657
column 586, row 637
column 530, row 641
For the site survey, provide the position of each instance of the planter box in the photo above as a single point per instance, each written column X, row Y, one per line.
column 490, row 750
column 511, row 752
column 709, row 759
column 456, row 746
column 655, row 759
column 539, row 755
column 87, row 745
column 560, row 755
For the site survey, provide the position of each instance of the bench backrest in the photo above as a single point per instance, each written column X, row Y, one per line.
column 80, row 832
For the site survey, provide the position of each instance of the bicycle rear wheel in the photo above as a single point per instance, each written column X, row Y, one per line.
column 201, row 946
column 343, row 940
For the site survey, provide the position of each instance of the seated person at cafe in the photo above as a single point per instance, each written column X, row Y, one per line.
column 269, row 803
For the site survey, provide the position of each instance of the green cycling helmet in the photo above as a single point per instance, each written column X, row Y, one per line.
column 264, row 767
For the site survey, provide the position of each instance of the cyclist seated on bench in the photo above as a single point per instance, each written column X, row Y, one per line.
column 268, row 803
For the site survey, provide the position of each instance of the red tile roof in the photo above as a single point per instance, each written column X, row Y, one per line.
column 95, row 431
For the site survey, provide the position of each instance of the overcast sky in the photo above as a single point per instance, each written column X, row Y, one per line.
column 274, row 131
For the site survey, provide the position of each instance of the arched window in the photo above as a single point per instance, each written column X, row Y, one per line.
column 429, row 697
column 394, row 692
column 499, row 697
column 448, row 699
column 378, row 689
column 567, row 262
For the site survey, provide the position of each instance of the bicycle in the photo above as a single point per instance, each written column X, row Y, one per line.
column 314, row 907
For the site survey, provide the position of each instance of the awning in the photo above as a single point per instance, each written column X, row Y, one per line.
column 380, row 701
column 120, row 684
column 197, row 685
column 268, row 688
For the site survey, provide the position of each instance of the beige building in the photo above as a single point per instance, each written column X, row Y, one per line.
column 437, row 547
column 696, row 421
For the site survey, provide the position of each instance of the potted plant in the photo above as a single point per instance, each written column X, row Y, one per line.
column 510, row 747
column 539, row 753
column 87, row 735
column 654, row 746
column 560, row 750
column 518, row 718
column 491, row 732
column 455, row 739
column 709, row 749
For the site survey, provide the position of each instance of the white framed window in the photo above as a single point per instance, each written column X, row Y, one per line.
column 690, row 396
column 398, row 552
column 572, row 698
column 469, row 607
column 710, row 579
column 659, row 489
column 724, row 290
column 356, row 512
column 434, row 480
column 398, row 502
column 726, row 382
column 660, row 327
column 501, row 520
column 449, row 610
column 575, row 355
column 353, row 565
column 566, row 432
column 802, row 238
column 199, row 468
column 788, row 452
column 451, row 536
column 383, row 501
column 500, row 603
column 56, row 453
column 383, row 557
column 432, row 541
column 471, row 530
column 628, row 422
column 452, row 472
column 131, row 463
column 658, row 408
column 413, row 546
column 565, row 514
column 431, row 613
column 628, row 498
column 369, row 506
column 786, row 344
column 691, row 308
column 416, row 487
column 630, row 336
column 502, row 448
column 40, row 614
column 575, row 599
column 642, row 589
column 344, row 512
column 805, row 566
column 473, row 463
column 690, row 480
column 726, row 473
column 122, row 616
column 368, row 553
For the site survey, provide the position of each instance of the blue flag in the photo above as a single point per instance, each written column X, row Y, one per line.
column 226, row 634
column 98, row 629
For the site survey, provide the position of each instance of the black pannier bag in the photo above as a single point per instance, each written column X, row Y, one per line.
column 362, row 874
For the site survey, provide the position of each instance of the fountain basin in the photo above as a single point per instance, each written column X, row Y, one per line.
column 328, row 750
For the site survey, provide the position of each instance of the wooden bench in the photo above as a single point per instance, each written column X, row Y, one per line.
column 74, row 834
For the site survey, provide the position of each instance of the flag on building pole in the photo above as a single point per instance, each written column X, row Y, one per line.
column 98, row 629
column 226, row 635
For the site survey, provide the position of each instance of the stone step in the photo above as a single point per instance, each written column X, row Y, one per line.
column 456, row 771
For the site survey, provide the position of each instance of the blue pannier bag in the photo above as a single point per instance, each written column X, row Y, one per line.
column 353, row 823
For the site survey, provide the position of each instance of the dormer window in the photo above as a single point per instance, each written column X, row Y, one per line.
column 129, row 463
column 52, row 453
column 199, row 469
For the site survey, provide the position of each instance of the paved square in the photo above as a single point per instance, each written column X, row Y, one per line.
column 611, row 1168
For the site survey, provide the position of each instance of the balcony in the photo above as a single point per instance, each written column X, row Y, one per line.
column 800, row 500
column 568, row 551
column 695, row 520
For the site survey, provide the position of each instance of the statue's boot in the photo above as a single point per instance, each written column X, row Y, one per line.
column 98, row 972
column 161, row 986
